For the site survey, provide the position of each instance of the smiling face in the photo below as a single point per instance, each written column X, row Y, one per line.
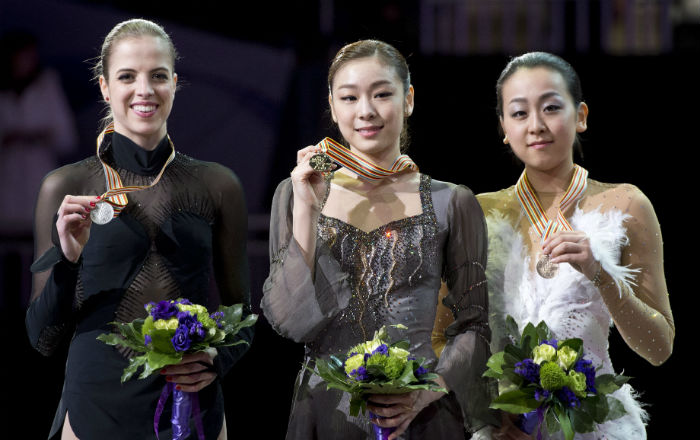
column 140, row 88
column 540, row 118
column 368, row 103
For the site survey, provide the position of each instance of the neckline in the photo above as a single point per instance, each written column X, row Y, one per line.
column 426, row 210
column 128, row 155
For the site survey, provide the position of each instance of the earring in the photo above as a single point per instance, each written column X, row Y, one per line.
column 107, row 98
column 505, row 139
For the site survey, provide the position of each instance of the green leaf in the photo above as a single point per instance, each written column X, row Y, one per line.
column 516, row 402
column 552, row 422
column 575, row 344
column 134, row 364
column 581, row 420
column 616, row 409
column 495, row 362
column 543, row 332
column 512, row 328
column 565, row 423
column 608, row 383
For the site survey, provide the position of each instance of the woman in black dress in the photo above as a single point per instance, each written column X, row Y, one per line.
column 161, row 246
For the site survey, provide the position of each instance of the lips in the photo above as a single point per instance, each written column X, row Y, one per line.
column 369, row 131
column 538, row 145
column 144, row 109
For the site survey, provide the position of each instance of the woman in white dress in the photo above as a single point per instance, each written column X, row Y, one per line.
column 579, row 254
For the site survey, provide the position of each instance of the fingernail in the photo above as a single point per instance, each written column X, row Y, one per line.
column 98, row 198
column 178, row 387
column 92, row 204
column 84, row 216
column 169, row 378
column 162, row 371
column 87, row 209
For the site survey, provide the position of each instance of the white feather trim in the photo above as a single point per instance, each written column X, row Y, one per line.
column 607, row 236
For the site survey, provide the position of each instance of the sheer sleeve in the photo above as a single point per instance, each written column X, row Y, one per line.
column 641, row 310
column 297, row 303
column 50, row 313
column 230, row 260
column 463, row 359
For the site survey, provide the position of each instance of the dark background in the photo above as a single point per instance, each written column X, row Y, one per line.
column 254, row 91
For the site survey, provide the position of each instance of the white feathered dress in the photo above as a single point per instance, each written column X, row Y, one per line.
column 569, row 303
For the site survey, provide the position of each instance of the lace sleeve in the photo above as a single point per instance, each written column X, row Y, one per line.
column 50, row 312
column 641, row 309
column 296, row 303
column 463, row 359
column 230, row 260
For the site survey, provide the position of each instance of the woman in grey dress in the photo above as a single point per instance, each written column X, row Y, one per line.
column 349, row 255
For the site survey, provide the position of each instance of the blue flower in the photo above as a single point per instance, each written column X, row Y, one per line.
column 382, row 349
column 552, row 342
column 541, row 394
column 181, row 339
column 567, row 397
column 147, row 339
column 529, row 370
column 360, row 374
column 528, row 422
column 194, row 327
column 586, row 367
column 420, row 371
column 162, row 310
column 218, row 316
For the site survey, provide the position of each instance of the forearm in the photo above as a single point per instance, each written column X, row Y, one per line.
column 645, row 329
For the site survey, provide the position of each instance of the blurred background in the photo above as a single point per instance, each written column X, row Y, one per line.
column 253, row 91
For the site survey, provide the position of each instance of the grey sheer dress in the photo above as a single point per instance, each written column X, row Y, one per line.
column 364, row 280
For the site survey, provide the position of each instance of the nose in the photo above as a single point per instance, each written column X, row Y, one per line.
column 143, row 86
column 366, row 109
column 536, row 123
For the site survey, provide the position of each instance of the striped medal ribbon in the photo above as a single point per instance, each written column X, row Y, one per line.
column 538, row 218
column 333, row 151
column 114, row 200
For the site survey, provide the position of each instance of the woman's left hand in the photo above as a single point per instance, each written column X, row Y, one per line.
column 572, row 247
column 193, row 373
column 398, row 410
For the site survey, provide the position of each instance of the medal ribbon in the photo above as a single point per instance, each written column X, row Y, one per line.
column 116, row 191
column 363, row 167
column 537, row 216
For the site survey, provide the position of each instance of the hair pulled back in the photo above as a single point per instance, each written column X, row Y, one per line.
column 133, row 28
column 386, row 54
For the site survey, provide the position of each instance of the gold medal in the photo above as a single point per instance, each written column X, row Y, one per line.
column 321, row 162
column 545, row 267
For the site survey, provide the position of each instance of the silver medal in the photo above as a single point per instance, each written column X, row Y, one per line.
column 545, row 267
column 102, row 213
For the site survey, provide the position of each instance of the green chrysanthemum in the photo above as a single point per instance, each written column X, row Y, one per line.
column 552, row 377
column 377, row 360
column 353, row 363
column 394, row 367
column 577, row 383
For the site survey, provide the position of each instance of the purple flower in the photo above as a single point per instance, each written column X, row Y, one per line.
column 147, row 339
column 360, row 373
column 218, row 316
column 162, row 310
column 185, row 301
column 194, row 328
column 541, row 394
column 567, row 397
column 529, row 370
column 552, row 342
column 586, row 367
column 181, row 339
column 382, row 349
column 420, row 371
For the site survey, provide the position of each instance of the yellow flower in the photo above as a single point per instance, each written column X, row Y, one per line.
column 566, row 357
column 542, row 353
column 399, row 353
column 169, row 324
column 354, row 362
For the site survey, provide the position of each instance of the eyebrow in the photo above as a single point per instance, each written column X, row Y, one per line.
column 129, row 69
column 375, row 84
column 544, row 96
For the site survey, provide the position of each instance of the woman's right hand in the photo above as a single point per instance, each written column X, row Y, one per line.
column 73, row 224
column 307, row 182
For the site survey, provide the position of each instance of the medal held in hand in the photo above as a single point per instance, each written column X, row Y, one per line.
column 321, row 162
column 114, row 199
column 538, row 218
column 102, row 213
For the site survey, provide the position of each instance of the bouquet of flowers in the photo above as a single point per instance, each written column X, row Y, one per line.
column 172, row 329
column 376, row 367
column 550, row 383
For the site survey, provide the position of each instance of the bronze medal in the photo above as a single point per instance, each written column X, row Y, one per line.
column 321, row 162
column 545, row 267
column 102, row 213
